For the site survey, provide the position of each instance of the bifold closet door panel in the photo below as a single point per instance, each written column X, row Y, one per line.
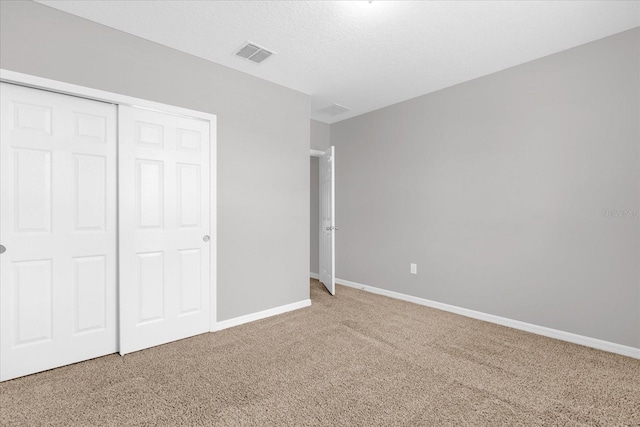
column 164, row 227
column 58, row 225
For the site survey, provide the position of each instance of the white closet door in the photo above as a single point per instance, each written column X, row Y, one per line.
column 327, row 220
column 58, row 225
column 164, row 227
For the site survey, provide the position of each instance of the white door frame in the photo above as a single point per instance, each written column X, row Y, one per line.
column 319, row 154
column 36, row 82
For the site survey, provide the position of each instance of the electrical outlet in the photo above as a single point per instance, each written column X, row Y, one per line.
column 414, row 268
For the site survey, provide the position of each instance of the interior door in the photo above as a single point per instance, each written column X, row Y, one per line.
column 327, row 220
column 164, row 228
column 57, row 230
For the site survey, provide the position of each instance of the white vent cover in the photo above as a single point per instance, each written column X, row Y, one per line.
column 335, row 109
column 253, row 52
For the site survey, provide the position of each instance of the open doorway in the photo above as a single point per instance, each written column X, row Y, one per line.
column 322, row 218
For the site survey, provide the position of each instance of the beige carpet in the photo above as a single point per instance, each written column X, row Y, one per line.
column 353, row 359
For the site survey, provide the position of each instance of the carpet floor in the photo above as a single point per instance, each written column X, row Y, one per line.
column 353, row 359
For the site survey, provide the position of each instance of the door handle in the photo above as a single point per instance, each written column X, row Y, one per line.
column 3, row 249
column 206, row 238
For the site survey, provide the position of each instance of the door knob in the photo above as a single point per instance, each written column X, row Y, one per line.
column 206, row 237
column 2, row 249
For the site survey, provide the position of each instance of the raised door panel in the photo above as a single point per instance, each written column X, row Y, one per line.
column 188, row 140
column 32, row 190
column 33, row 301
column 90, row 196
column 33, row 117
column 91, row 126
column 149, row 134
column 190, row 266
column 189, row 195
column 150, row 285
column 149, row 195
column 90, row 308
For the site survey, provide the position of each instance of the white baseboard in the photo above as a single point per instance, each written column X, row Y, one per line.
column 314, row 276
column 516, row 324
column 236, row 321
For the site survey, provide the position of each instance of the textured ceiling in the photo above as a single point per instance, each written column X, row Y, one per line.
column 366, row 55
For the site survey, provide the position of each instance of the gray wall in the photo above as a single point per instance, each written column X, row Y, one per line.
column 314, row 224
column 320, row 140
column 497, row 188
column 263, row 141
column 320, row 135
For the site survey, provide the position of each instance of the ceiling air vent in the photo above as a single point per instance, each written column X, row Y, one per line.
column 335, row 109
column 253, row 52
